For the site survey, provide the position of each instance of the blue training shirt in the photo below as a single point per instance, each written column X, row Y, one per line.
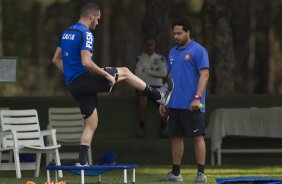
column 184, row 65
column 76, row 38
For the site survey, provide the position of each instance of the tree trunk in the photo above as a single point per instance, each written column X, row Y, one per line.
column 1, row 29
column 223, row 57
column 251, row 81
column 243, row 23
column 105, row 61
column 38, row 41
column 272, row 62
column 118, row 39
column 208, row 21
column 155, row 24
column 38, row 45
column 264, row 13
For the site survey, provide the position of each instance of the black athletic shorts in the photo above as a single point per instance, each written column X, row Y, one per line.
column 184, row 123
column 84, row 89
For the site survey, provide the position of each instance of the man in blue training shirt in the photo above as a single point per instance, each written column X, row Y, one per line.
column 85, row 79
column 188, row 65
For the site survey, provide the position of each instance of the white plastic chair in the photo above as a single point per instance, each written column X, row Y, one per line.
column 9, row 155
column 69, row 124
column 21, row 134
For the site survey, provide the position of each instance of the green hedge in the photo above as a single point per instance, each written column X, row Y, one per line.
column 118, row 116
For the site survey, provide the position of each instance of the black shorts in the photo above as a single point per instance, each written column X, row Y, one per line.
column 184, row 123
column 84, row 89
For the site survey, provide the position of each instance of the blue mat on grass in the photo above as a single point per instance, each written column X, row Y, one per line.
column 254, row 180
column 92, row 170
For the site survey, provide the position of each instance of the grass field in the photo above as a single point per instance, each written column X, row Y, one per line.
column 151, row 174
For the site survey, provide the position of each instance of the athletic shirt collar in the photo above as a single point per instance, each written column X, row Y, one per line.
column 78, row 24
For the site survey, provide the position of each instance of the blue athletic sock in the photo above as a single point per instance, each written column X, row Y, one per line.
column 83, row 149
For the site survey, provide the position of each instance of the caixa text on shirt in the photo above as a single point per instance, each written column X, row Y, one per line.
column 68, row 36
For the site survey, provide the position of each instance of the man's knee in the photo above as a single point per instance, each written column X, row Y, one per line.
column 198, row 139
column 124, row 71
column 92, row 121
column 177, row 140
column 92, row 125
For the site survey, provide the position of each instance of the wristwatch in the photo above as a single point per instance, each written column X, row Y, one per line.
column 198, row 97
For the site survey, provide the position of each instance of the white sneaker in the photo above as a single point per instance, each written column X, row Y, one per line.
column 79, row 165
column 172, row 177
column 201, row 178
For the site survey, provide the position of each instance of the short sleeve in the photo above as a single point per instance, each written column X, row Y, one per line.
column 87, row 41
column 202, row 59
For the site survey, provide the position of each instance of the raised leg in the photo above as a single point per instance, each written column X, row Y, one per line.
column 131, row 79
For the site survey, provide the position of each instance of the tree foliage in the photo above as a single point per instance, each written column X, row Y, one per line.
column 242, row 37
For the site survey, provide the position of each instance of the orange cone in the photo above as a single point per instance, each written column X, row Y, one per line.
column 61, row 182
column 29, row 182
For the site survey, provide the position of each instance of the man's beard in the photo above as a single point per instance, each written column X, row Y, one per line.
column 181, row 43
column 92, row 28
